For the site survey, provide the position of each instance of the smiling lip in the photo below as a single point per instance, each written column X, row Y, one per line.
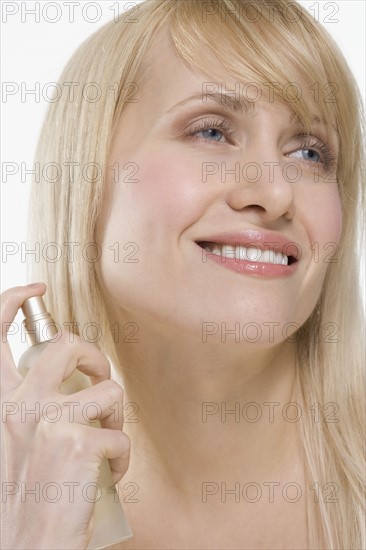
column 258, row 239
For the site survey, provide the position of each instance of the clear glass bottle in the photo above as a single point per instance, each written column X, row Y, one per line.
column 110, row 523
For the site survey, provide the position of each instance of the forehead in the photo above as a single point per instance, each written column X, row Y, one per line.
column 169, row 82
column 163, row 71
column 163, row 63
column 166, row 77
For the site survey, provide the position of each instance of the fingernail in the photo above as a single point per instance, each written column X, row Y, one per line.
column 35, row 285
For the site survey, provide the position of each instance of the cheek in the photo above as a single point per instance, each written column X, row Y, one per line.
column 325, row 221
column 168, row 192
column 149, row 214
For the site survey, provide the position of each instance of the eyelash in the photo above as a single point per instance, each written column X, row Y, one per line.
column 325, row 150
column 223, row 125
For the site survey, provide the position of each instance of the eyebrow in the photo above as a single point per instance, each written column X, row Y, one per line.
column 237, row 105
column 294, row 118
column 233, row 103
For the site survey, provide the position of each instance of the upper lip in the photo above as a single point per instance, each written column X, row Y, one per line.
column 260, row 239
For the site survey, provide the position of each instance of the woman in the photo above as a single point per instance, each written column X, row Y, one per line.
column 219, row 130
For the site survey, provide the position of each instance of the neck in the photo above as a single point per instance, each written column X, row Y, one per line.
column 201, row 412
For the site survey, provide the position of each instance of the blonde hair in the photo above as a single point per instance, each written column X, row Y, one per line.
column 206, row 36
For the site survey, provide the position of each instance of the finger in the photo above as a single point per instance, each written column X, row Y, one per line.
column 117, row 450
column 119, row 465
column 104, row 402
column 11, row 300
column 103, row 443
column 84, row 447
column 61, row 357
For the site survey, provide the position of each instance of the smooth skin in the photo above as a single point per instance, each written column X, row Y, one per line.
column 169, row 293
column 169, row 373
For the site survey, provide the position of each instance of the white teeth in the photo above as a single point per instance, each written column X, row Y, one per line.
column 229, row 251
column 216, row 249
column 252, row 254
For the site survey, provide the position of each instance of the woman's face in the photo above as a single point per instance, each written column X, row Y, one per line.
column 248, row 181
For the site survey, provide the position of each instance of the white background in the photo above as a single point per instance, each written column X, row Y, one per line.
column 37, row 52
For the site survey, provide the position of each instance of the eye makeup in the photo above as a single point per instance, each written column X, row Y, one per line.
column 325, row 151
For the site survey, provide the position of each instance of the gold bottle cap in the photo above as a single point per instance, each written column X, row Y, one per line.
column 38, row 323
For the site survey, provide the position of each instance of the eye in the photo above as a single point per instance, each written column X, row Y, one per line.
column 211, row 130
column 317, row 152
column 312, row 154
column 211, row 133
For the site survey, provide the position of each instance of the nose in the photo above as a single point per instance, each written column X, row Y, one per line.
column 264, row 187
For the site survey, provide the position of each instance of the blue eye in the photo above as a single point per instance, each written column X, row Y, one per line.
column 317, row 152
column 311, row 154
column 211, row 132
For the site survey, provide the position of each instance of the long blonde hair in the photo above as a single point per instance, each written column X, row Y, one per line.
column 260, row 42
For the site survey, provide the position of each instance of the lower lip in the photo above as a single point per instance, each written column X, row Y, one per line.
column 259, row 269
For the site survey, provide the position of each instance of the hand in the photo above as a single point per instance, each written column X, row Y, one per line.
column 46, row 464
